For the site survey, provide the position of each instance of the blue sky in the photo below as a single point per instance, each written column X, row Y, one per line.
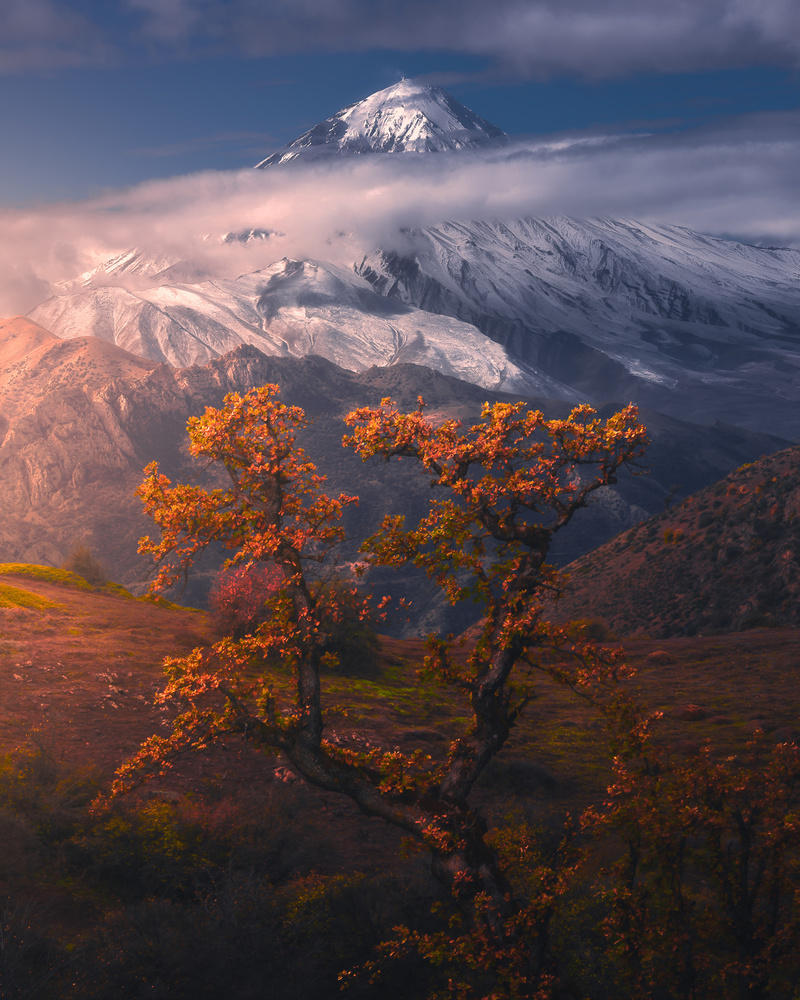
column 105, row 94
column 137, row 122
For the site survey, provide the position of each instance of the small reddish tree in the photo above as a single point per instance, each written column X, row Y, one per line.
column 506, row 486
column 239, row 597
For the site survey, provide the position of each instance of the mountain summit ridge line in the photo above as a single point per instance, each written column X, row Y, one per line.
column 577, row 309
column 404, row 118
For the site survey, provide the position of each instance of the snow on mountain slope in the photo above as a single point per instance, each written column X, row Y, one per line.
column 291, row 308
column 592, row 309
column 618, row 309
column 405, row 118
column 136, row 268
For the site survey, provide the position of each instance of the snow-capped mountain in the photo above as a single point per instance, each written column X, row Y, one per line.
column 135, row 268
column 698, row 327
column 290, row 309
column 405, row 118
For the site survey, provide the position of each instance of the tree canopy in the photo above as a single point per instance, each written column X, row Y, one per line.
column 501, row 489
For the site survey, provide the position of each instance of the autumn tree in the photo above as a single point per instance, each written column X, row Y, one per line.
column 704, row 899
column 502, row 489
column 237, row 600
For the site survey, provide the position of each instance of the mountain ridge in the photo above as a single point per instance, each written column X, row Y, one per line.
column 72, row 450
column 577, row 309
column 676, row 320
column 291, row 308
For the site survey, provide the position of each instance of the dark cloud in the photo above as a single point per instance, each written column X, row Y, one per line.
column 524, row 38
column 531, row 38
column 47, row 35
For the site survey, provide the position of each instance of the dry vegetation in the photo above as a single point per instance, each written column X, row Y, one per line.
column 726, row 558
column 229, row 872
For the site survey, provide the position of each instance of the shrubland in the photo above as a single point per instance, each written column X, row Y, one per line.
column 667, row 876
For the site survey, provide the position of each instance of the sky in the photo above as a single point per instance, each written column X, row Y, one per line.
column 138, row 121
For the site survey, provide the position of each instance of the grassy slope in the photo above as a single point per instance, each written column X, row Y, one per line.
column 77, row 676
column 85, row 664
column 725, row 559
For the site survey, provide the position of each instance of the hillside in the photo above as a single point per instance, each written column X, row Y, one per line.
column 81, row 418
column 229, row 872
column 35, row 365
column 79, row 666
column 726, row 558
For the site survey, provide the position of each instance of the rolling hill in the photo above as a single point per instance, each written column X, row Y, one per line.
column 725, row 559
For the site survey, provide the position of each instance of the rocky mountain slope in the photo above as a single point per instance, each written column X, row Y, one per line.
column 724, row 559
column 290, row 309
column 699, row 327
column 81, row 418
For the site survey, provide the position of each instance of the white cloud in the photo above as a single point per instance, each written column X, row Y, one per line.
column 737, row 179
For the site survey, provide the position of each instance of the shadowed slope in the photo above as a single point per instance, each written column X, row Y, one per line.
column 79, row 420
column 726, row 558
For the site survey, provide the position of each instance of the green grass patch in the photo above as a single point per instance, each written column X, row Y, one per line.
column 420, row 701
column 47, row 573
column 162, row 602
column 15, row 597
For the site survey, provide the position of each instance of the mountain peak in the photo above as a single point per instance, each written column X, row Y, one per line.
column 408, row 117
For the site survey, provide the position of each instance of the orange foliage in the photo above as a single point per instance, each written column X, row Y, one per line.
column 503, row 488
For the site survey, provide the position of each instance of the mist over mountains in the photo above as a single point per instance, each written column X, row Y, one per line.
column 577, row 309
column 702, row 332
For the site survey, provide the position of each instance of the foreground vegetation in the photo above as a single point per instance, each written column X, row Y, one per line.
column 666, row 872
column 214, row 886
column 501, row 490
column 228, row 877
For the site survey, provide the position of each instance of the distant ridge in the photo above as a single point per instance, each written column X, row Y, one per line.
column 80, row 418
column 36, row 366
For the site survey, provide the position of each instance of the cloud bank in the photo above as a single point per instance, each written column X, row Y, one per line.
column 739, row 179
column 531, row 38
column 527, row 38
